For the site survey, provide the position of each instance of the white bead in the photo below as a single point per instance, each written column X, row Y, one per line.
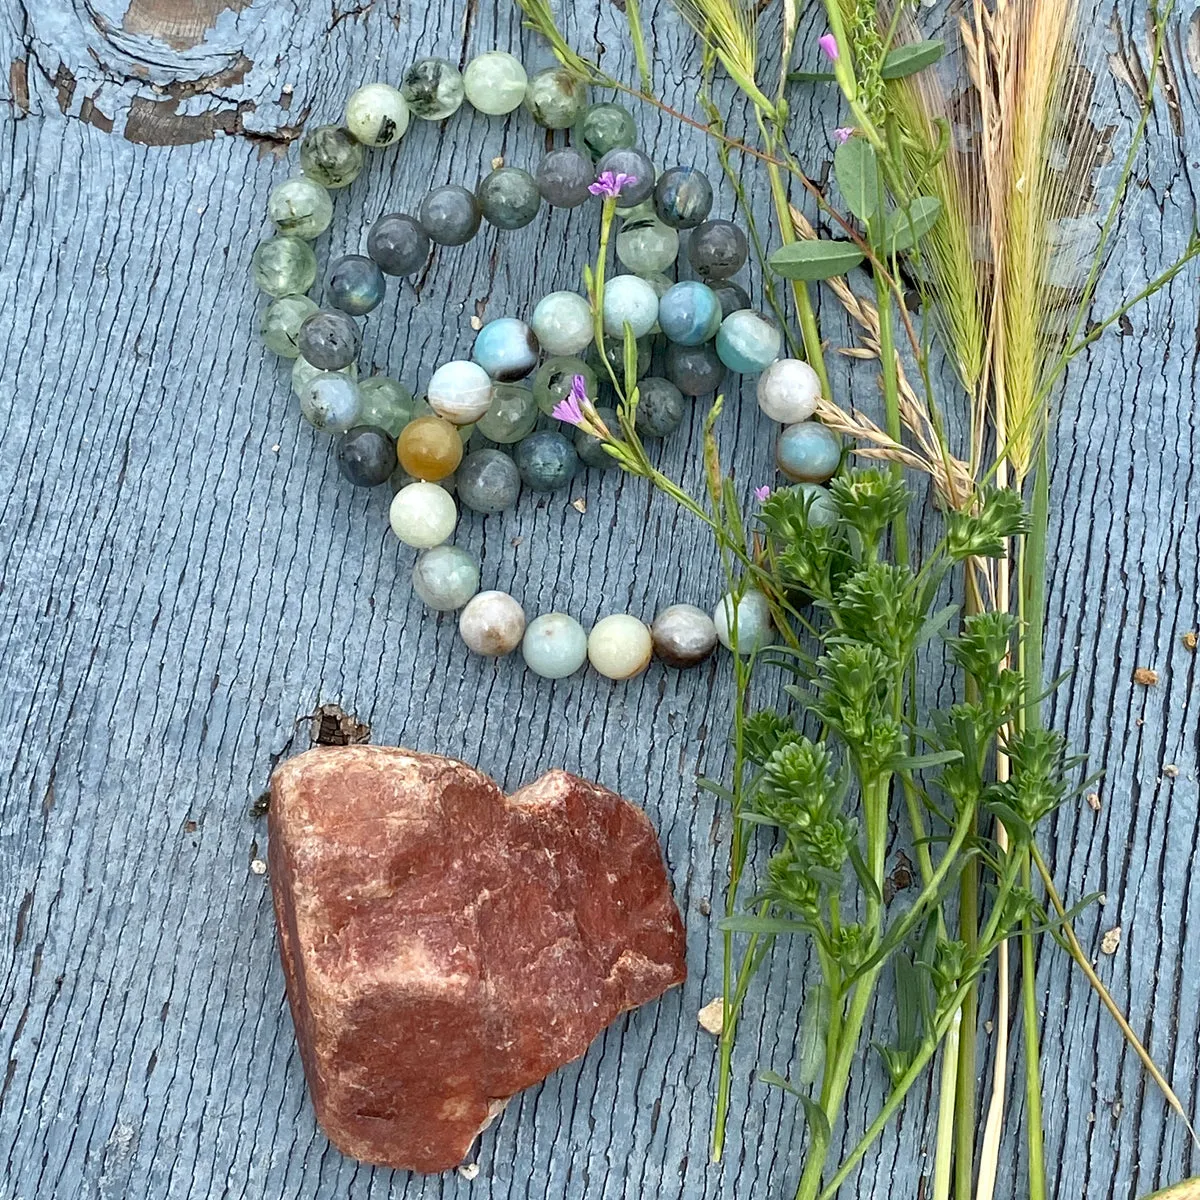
column 562, row 322
column 460, row 391
column 619, row 647
column 423, row 515
column 492, row 624
column 753, row 621
column 788, row 391
column 377, row 114
column 629, row 298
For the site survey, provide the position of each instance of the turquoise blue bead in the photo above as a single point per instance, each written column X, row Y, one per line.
column 753, row 621
column 511, row 415
column 689, row 313
column 808, row 452
column 683, row 197
column 445, row 577
column 506, row 349
column 547, row 461
column 554, row 646
column 748, row 342
column 487, row 481
column 591, row 449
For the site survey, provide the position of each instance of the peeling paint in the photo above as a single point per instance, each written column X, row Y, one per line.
column 182, row 24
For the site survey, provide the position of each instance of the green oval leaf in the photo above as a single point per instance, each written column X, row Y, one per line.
column 905, row 228
column 908, row 60
column 857, row 172
column 811, row 76
column 815, row 260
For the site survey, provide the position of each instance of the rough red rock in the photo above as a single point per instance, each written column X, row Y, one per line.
column 446, row 945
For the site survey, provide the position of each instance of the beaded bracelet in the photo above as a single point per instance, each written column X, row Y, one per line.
column 708, row 325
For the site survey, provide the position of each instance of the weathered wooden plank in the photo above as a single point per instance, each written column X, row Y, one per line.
column 175, row 595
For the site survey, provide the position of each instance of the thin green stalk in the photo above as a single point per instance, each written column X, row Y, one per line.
column 1033, row 587
column 634, row 16
column 891, row 402
column 943, row 1155
column 1033, row 1075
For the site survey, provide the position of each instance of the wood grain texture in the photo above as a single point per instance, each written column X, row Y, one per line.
column 184, row 577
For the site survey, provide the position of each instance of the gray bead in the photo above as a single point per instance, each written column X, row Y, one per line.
column 733, row 296
column 591, row 449
column 366, row 456
column 563, row 178
column 694, row 370
column 355, row 284
column 629, row 161
column 683, row 635
column 450, row 215
column 329, row 340
column 683, row 197
column 717, row 250
column 660, row 407
column 509, row 198
column 488, row 481
column 398, row 244
column 546, row 460
column 331, row 155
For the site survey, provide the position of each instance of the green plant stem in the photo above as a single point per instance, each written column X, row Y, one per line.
column 1033, row 1075
column 1033, row 587
column 634, row 17
column 891, row 403
column 943, row 1157
column 964, row 1097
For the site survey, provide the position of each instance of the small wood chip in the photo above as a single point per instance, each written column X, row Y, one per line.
column 712, row 1017
column 1146, row 676
column 579, row 504
column 1093, row 801
column 469, row 1171
column 258, row 866
column 476, row 324
column 1190, row 640
column 1170, row 770
column 497, row 162
column 988, row 1026
column 1111, row 940
column 704, row 906
column 275, row 448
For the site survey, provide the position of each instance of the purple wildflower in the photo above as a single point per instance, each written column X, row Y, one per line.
column 829, row 46
column 609, row 184
column 761, row 493
column 577, row 410
column 844, row 134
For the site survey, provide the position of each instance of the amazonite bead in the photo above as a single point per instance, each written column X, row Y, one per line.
column 509, row 198
column 355, row 284
column 748, row 342
column 808, row 452
column 495, row 82
column 683, row 635
column 591, row 448
column 284, row 266
column 303, row 372
column 788, row 391
column 385, row 403
column 445, row 577
column 683, row 197
column 555, row 645
column 555, row 378
column 630, row 161
column 280, row 324
column 660, row 407
column 647, row 247
column 487, row 481
column 546, row 460
column 300, row 207
column 331, row 156
column 377, row 115
column 433, row 89
column 629, row 298
column 506, row 349
column 492, row 624
column 423, row 515
column 753, row 621
column 512, row 414
column 619, row 646
column 459, row 391
column 562, row 322
column 689, row 313
column 605, row 127
column 329, row 402
column 555, row 98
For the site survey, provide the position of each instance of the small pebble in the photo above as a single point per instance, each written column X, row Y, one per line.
column 1146, row 676
column 712, row 1017
column 555, row 646
column 619, row 646
column 492, row 624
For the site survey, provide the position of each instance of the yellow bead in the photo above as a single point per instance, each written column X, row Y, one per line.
column 429, row 448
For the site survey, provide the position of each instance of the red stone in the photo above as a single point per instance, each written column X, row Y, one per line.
column 446, row 945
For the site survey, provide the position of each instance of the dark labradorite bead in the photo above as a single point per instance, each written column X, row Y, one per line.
column 694, row 370
column 398, row 244
column 555, row 98
column 660, row 407
column 628, row 161
column 683, row 197
column 331, row 155
column 487, row 481
column 605, row 127
column 547, row 461
column 450, row 215
column 591, row 449
column 717, row 250
column 329, row 340
column 733, row 296
column 366, row 456
column 509, row 198
column 564, row 176
column 355, row 284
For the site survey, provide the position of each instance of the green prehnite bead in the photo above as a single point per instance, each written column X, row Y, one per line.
column 605, row 127
column 511, row 415
column 509, row 198
column 300, row 207
column 331, row 155
column 385, row 403
column 284, row 266
column 647, row 247
column 280, row 325
column 433, row 88
column 303, row 372
column 555, row 98
column 591, row 449
column 445, row 577
column 495, row 82
column 554, row 378
column 555, row 646
column 377, row 115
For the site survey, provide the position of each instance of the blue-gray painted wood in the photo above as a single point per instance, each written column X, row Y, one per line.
column 184, row 577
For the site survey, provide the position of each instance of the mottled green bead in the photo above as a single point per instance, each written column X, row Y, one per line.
column 511, row 415
column 280, row 325
column 284, row 266
column 495, row 83
column 605, row 127
column 433, row 88
column 445, row 577
column 647, row 247
column 555, row 98
column 331, row 155
column 591, row 449
column 385, row 403
column 547, row 461
column 555, row 646
column 300, row 207
column 377, row 115
column 554, row 378
column 509, row 198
